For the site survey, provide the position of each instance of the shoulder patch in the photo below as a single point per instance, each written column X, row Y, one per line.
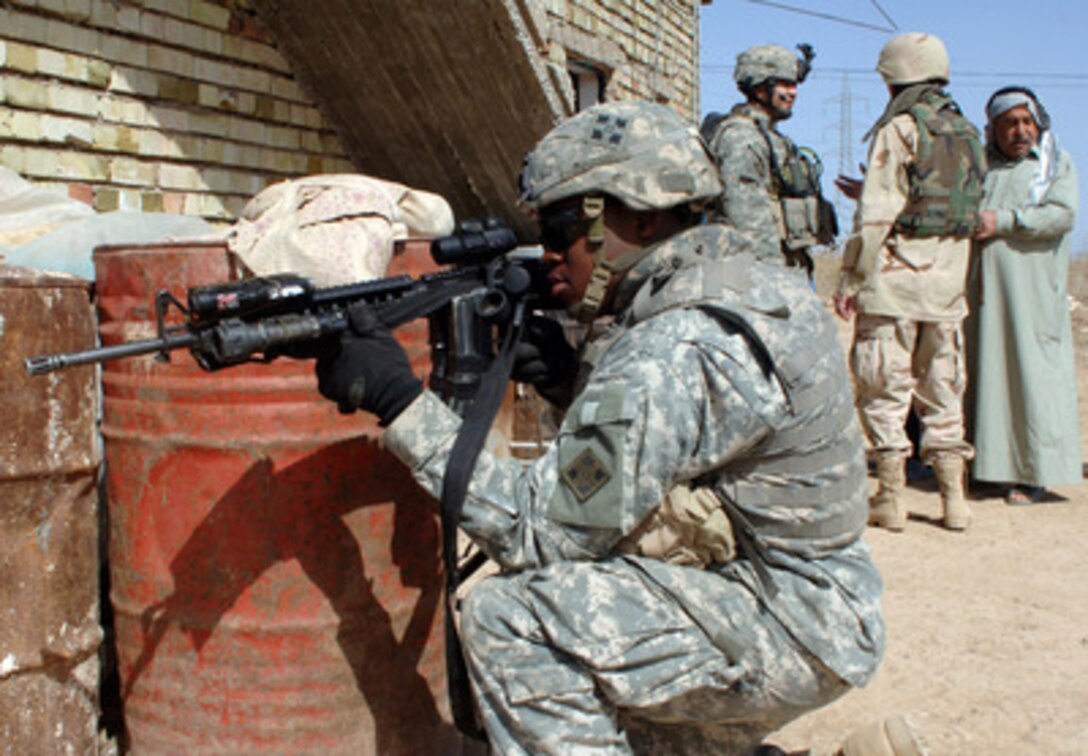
column 585, row 475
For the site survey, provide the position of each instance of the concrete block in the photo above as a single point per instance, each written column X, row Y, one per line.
column 131, row 200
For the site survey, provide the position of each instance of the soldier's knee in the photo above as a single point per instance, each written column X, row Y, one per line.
column 487, row 613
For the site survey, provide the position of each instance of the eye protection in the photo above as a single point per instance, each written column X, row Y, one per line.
column 559, row 229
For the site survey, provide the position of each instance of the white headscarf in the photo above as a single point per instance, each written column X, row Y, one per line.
column 1046, row 149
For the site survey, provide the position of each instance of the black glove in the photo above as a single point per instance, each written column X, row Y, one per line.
column 370, row 371
column 544, row 357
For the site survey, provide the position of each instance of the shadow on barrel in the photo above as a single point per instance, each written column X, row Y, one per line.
column 327, row 512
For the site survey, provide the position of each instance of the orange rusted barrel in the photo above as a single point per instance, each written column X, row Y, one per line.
column 274, row 573
column 49, row 558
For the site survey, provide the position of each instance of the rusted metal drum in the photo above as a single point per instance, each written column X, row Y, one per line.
column 274, row 573
column 49, row 560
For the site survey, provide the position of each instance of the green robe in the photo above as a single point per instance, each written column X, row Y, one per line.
column 1020, row 342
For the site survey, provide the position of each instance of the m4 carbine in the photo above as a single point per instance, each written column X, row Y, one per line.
column 483, row 293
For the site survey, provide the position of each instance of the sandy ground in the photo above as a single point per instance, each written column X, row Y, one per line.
column 987, row 629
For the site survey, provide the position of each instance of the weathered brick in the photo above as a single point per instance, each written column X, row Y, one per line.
column 22, row 58
column 106, row 199
column 98, row 73
column 82, row 165
column 151, row 202
column 81, row 193
column 67, row 130
column 72, row 99
column 131, row 200
column 174, row 176
column 132, row 172
column 14, row 157
column 209, row 15
column 25, row 93
column 78, row 10
column 23, row 125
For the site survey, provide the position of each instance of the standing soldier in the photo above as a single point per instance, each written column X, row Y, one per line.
column 904, row 270
column 771, row 188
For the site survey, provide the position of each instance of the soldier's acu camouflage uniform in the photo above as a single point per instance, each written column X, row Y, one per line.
column 720, row 372
column 742, row 144
column 770, row 187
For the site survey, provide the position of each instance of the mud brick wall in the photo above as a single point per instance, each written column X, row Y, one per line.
column 182, row 106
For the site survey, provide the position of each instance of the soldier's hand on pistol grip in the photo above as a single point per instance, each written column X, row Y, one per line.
column 369, row 371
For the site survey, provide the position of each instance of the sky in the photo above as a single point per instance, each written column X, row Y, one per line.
column 990, row 44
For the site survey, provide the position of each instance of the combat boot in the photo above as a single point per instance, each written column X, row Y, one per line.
column 949, row 469
column 893, row 736
column 886, row 507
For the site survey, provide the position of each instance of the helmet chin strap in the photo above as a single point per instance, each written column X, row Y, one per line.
column 593, row 210
column 603, row 269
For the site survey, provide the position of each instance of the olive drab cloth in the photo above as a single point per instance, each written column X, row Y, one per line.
column 719, row 372
column 1022, row 368
column 333, row 228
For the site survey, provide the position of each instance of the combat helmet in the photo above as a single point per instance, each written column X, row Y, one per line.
column 764, row 63
column 643, row 154
column 913, row 58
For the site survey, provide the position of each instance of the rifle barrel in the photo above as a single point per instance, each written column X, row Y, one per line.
column 48, row 363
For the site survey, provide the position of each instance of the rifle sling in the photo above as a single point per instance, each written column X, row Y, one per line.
column 466, row 449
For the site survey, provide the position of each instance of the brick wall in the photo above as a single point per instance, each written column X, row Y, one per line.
column 182, row 106
column 650, row 47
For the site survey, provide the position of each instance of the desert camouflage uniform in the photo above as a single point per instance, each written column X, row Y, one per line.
column 578, row 646
column 911, row 300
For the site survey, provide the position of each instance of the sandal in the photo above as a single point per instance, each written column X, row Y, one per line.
column 1019, row 496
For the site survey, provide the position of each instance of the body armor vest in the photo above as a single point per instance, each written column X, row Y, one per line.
column 802, row 489
column 807, row 217
column 946, row 177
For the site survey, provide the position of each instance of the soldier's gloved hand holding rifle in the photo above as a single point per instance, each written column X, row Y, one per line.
column 369, row 371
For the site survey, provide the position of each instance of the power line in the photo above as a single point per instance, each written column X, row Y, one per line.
column 887, row 18
column 825, row 16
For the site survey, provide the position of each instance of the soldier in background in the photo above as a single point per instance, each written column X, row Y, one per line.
column 682, row 568
column 771, row 188
column 903, row 272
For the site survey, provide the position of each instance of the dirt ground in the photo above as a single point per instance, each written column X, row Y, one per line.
column 988, row 629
